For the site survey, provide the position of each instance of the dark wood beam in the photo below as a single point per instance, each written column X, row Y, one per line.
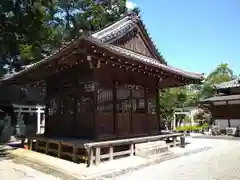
column 158, row 105
column 146, row 110
column 115, row 128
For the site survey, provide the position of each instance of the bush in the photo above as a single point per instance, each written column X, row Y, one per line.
column 189, row 128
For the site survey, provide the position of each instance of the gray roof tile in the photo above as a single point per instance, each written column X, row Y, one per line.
column 102, row 38
column 154, row 62
column 229, row 84
column 222, row 98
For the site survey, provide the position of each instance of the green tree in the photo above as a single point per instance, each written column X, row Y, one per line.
column 181, row 97
column 88, row 15
column 221, row 74
column 25, row 32
column 31, row 30
column 172, row 98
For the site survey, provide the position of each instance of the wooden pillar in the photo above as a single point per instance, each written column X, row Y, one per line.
column 46, row 99
column 95, row 126
column 38, row 120
column 228, row 114
column 97, row 155
column 131, row 113
column 146, row 111
column 111, row 151
column 115, row 128
column 174, row 122
column 158, row 106
column 75, row 85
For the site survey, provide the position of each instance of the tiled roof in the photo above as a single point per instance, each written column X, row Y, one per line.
column 222, row 98
column 120, row 28
column 115, row 30
column 229, row 84
column 103, row 38
column 123, row 52
column 153, row 62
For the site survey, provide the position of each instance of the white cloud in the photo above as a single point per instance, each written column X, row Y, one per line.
column 130, row 5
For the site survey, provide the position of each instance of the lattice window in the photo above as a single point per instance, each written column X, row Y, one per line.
column 105, row 100
column 123, row 99
column 138, row 99
column 53, row 107
column 152, row 106
column 68, row 105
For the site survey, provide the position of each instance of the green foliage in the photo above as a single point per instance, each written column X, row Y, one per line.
column 24, row 31
column 221, row 74
column 171, row 99
column 182, row 97
column 189, row 128
column 31, row 30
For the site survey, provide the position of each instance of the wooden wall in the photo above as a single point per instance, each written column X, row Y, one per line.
column 137, row 44
column 91, row 104
column 69, row 103
column 231, row 111
column 234, row 91
column 133, row 115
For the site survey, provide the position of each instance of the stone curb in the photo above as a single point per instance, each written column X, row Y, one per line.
column 232, row 138
column 149, row 163
column 51, row 168
column 113, row 173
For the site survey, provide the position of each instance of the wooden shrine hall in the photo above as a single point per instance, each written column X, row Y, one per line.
column 104, row 85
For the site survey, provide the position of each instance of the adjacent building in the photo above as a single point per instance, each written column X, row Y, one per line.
column 225, row 105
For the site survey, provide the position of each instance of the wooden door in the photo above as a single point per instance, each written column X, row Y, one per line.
column 124, row 108
column 68, row 120
column 84, row 114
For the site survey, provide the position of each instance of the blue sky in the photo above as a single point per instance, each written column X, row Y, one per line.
column 195, row 35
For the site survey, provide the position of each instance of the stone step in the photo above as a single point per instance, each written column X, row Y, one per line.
column 150, row 144
column 162, row 155
column 151, row 148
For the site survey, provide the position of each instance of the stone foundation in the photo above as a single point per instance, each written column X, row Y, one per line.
column 151, row 149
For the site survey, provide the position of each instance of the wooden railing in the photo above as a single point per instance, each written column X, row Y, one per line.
column 45, row 145
column 94, row 149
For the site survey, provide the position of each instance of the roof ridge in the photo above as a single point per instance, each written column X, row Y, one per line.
column 123, row 26
column 130, row 18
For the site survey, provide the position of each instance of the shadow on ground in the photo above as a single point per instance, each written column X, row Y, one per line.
column 5, row 150
column 4, row 154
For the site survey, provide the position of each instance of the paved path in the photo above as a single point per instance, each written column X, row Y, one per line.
column 222, row 162
column 14, row 171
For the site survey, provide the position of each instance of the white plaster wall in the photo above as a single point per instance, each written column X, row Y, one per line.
column 235, row 122
column 222, row 123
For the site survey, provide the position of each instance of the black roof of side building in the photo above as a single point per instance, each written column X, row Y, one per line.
column 221, row 98
column 229, row 84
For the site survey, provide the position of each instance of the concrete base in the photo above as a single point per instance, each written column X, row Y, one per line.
column 150, row 149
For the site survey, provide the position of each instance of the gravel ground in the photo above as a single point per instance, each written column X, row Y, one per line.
column 13, row 171
column 222, row 162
